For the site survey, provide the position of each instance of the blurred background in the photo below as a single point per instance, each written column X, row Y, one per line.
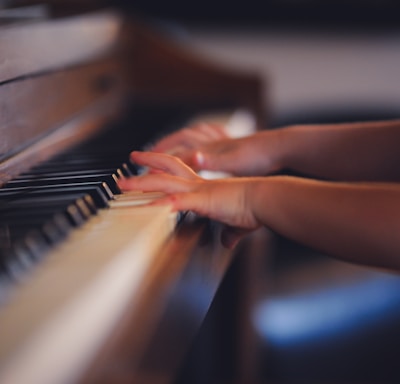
column 321, row 60
column 317, row 319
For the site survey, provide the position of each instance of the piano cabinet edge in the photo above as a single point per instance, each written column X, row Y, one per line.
column 152, row 340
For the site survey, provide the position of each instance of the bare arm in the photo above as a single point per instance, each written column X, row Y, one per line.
column 356, row 222
column 355, row 151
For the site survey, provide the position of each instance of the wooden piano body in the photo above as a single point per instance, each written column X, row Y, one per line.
column 66, row 77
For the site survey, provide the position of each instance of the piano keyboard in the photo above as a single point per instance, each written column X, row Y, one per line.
column 65, row 224
column 40, row 208
column 92, row 280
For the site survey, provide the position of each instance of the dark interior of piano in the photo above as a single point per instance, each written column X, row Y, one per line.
column 97, row 288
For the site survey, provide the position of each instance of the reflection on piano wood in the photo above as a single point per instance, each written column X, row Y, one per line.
column 89, row 274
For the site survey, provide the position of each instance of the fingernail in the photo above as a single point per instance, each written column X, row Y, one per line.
column 124, row 184
column 134, row 154
column 199, row 156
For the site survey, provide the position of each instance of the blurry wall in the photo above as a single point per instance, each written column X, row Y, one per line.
column 322, row 60
column 275, row 11
column 314, row 74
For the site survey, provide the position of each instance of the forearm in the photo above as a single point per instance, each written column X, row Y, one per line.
column 356, row 151
column 355, row 222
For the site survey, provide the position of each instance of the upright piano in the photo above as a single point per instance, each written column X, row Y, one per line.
column 95, row 287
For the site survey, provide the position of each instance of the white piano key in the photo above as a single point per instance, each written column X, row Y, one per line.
column 74, row 299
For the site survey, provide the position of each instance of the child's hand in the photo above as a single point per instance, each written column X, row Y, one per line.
column 190, row 138
column 224, row 200
column 207, row 147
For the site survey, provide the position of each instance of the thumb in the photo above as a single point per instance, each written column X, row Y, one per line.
column 208, row 161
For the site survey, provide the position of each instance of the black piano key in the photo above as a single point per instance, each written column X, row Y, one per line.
column 18, row 201
column 110, row 180
column 66, row 165
column 65, row 173
column 23, row 256
column 52, row 228
column 14, row 268
column 20, row 216
column 21, row 259
column 32, row 215
column 22, row 247
column 90, row 204
column 26, row 200
column 75, row 215
column 94, row 189
column 74, row 162
column 56, row 229
column 36, row 244
column 97, row 198
column 39, row 207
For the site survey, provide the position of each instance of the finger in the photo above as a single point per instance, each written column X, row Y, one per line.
column 187, row 138
column 154, row 171
column 194, row 137
column 219, row 157
column 165, row 163
column 183, row 201
column 208, row 161
column 156, row 182
column 187, row 156
column 213, row 131
column 168, row 142
column 194, row 201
